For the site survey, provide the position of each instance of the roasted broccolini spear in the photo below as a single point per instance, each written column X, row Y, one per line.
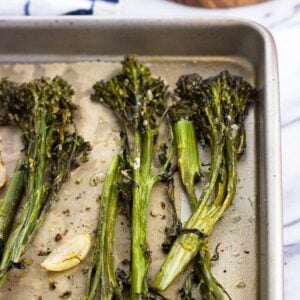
column 223, row 101
column 44, row 112
column 185, row 115
column 101, row 276
column 138, row 101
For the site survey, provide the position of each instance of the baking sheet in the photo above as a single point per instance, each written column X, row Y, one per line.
column 76, row 210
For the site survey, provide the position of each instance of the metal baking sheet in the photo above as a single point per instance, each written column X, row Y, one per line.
column 250, row 265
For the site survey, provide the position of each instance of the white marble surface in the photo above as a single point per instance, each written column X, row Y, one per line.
column 282, row 18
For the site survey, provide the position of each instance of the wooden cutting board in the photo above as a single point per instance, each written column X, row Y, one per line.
column 219, row 3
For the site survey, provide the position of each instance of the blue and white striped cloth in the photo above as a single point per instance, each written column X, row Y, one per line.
column 58, row 7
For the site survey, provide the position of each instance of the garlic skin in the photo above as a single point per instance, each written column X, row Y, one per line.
column 69, row 254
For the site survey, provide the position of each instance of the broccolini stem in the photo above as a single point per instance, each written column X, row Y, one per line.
column 143, row 180
column 201, row 277
column 101, row 273
column 11, row 201
column 34, row 197
column 187, row 245
column 213, row 285
column 203, row 219
column 188, row 159
column 110, row 282
column 221, row 186
column 200, row 283
column 62, row 169
column 181, row 254
column 231, row 159
column 216, row 163
column 242, row 141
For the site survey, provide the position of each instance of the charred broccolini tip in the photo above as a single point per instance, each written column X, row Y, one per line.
column 135, row 96
column 222, row 102
column 43, row 110
column 138, row 100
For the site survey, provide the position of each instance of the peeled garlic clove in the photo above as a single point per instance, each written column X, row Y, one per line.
column 68, row 255
column 2, row 174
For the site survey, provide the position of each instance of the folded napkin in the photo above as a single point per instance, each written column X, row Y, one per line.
column 58, row 7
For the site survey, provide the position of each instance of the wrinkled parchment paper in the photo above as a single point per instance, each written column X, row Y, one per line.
column 77, row 208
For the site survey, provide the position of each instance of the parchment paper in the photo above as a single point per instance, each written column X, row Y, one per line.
column 76, row 210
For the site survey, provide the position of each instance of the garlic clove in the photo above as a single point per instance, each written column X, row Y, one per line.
column 69, row 254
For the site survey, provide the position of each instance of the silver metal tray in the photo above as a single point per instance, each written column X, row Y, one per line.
column 173, row 47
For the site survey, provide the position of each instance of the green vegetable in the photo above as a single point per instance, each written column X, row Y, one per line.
column 44, row 112
column 101, row 275
column 183, row 118
column 222, row 103
column 138, row 101
column 187, row 157
column 11, row 202
column 200, row 283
